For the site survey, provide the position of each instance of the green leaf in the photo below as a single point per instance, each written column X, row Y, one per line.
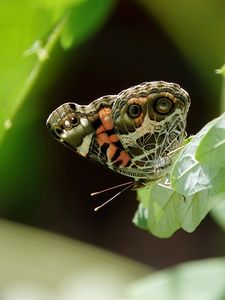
column 194, row 280
column 141, row 217
column 163, row 211
column 200, row 204
column 159, row 213
column 212, row 146
column 200, row 170
column 197, row 182
column 200, row 162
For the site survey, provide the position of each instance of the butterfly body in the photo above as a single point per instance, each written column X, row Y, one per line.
column 131, row 133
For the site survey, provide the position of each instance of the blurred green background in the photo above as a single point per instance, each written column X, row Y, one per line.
column 78, row 50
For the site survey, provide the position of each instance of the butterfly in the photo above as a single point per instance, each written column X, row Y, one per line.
column 132, row 133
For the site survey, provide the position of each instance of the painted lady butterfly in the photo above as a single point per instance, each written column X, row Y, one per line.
column 131, row 133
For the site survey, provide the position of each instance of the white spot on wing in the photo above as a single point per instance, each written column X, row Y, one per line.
column 84, row 122
column 67, row 123
column 83, row 149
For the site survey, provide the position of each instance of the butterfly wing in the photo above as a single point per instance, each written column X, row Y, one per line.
column 150, row 121
column 130, row 133
column 89, row 130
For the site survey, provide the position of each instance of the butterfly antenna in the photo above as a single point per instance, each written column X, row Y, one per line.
column 113, row 197
column 111, row 188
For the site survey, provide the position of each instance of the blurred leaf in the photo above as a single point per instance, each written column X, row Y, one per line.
column 56, row 8
column 29, row 31
column 221, row 70
column 222, row 97
column 23, row 27
column 218, row 213
column 84, row 20
column 196, row 29
column 203, row 280
column 35, row 262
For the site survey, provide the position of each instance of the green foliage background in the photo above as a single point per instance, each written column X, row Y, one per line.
column 36, row 37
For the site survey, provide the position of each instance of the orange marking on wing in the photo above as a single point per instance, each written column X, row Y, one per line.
column 105, row 117
column 124, row 158
column 113, row 138
column 100, row 129
column 103, row 138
